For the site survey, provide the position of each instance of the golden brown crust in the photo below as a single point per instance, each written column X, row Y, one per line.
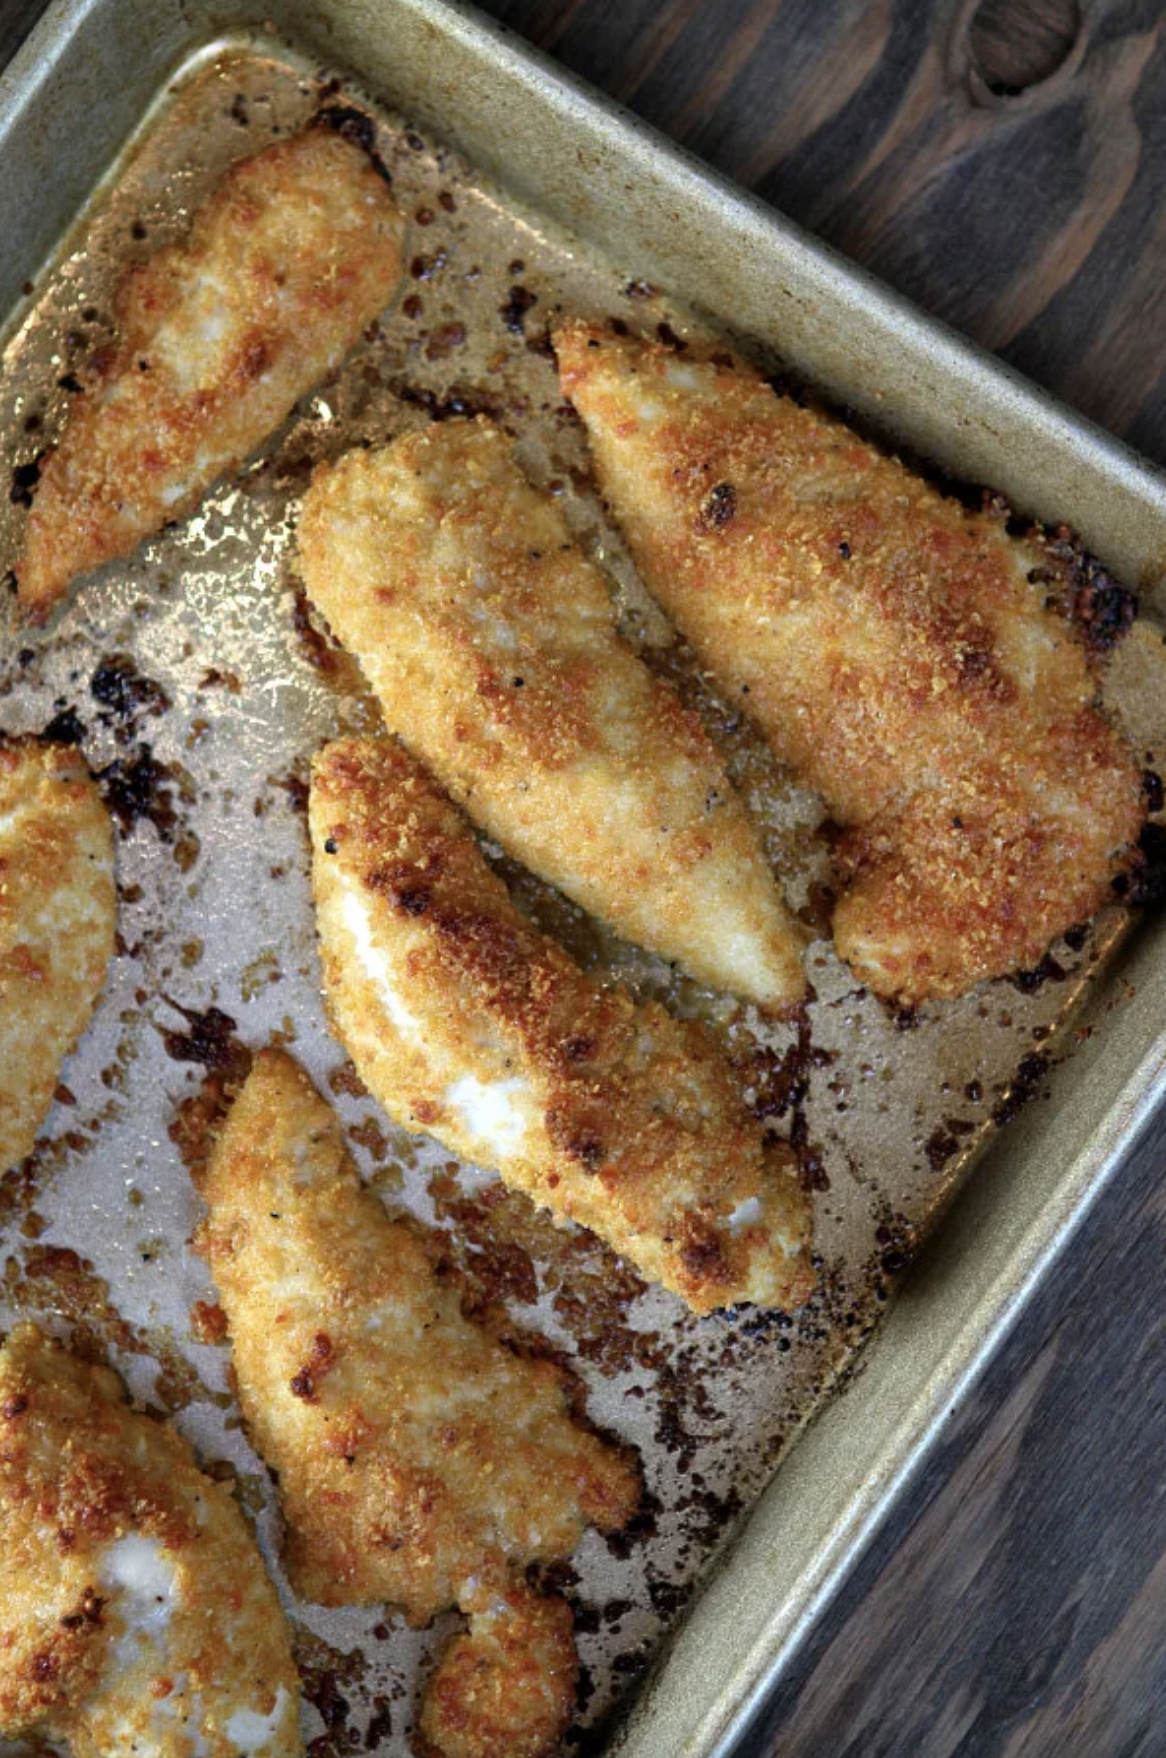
column 892, row 649
column 468, row 1023
column 490, row 640
column 506, row 1688
column 295, row 252
column 419, row 1461
column 58, row 919
column 415, row 1454
column 96, row 1501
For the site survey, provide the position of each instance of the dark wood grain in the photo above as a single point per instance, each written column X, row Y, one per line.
column 1004, row 163
column 17, row 18
column 1005, row 171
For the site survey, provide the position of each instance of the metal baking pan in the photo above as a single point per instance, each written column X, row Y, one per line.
column 113, row 117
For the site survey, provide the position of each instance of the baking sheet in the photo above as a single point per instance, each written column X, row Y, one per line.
column 194, row 679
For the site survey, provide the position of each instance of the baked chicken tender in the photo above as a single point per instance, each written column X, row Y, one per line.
column 294, row 253
column 468, row 1023
column 490, row 640
column 420, row 1462
column 892, row 650
column 58, row 921
column 135, row 1612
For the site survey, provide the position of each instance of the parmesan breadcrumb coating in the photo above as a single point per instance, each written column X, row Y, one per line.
column 890, row 646
column 295, row 252
column 58, row 920
column 504, row 1689
column 490, row 640
column 420, row 1462
column 468, row 1023
column 135, row 1612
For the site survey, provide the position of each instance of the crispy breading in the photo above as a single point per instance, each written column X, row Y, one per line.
column 891, row 647
column 295, row 252
column 135, row 1611
column 505, row 1688
column 58, row 919
column 490, row 640
column 420, row 1462
column 468, row 1023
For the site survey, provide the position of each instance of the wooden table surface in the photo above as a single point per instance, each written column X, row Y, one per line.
column 1004, row 164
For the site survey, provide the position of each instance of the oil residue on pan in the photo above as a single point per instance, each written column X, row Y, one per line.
column 198, row 685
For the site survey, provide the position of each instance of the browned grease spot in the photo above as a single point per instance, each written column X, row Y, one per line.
column 778, row 1081
column 513, row 313
column 208, row 1322
column 54, row 1279
column 138, row 786
column 345, row 1079
column 330, row 1678
column 370, row 1136
column 216, row 679
column 209, row 1041
column 1100, row 606
column 503, row 1247
column 1027, row 1082
column 1047, row 971
column 18, row 1192
column 946, row 1140
column 197, row 1119
column 491, row 1247
column 125, row 693
column 445, row 341
column 1147, row 887
column 454, row 403
column 895, row 1241
column 295, row 785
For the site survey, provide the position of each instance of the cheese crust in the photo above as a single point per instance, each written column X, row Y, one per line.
column 468, row 1023
column 135, row 1611
column 490, row 641
column 295, row 252
column 892, row 648
column 420, row 1462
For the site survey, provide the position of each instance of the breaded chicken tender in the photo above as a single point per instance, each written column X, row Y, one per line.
column 888, row 643
column 135, row 1612
column 58, row 920
column 295, row 252
column 468, row 1023
column 490, row 640
column 419, row 1461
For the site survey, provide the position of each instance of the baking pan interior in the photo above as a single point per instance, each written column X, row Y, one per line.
column 578, row 210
